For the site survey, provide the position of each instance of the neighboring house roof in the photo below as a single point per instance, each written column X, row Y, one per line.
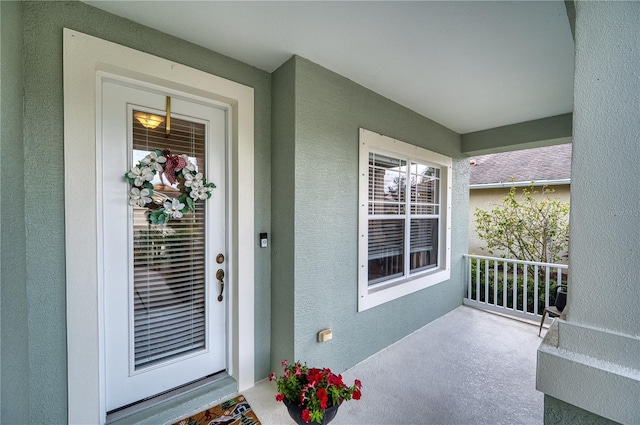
column 548, row 165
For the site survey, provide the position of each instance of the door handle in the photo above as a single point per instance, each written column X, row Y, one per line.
column 220, row 277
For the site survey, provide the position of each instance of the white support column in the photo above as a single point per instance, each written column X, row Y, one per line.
column 592, row 360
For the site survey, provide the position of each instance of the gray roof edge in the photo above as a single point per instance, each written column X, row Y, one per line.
column 554, row 182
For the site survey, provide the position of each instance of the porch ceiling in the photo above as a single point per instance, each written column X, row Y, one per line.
column 467, row 65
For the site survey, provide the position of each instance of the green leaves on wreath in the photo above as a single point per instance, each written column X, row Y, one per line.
column 190, row 205
column 158, row 217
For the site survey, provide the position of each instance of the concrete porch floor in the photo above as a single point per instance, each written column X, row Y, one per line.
column 467, row 367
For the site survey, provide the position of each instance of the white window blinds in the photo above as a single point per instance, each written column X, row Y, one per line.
column 404, row 215
column 168, row 260
column 399, row 224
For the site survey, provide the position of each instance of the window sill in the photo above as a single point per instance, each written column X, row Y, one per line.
column 383, row 293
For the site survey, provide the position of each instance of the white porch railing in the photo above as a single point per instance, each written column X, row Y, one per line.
column 514, row 287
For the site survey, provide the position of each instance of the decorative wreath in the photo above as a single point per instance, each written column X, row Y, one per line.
column 176, row 169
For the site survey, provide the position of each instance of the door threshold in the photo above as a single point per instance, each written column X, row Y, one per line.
column 171, row 406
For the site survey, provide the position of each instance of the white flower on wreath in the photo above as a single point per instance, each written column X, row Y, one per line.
column 139, row 197
column 200, row 192
column 141, row 175
column 154, row 161
column 193, row 181
column 190, row 165
column 174, row 208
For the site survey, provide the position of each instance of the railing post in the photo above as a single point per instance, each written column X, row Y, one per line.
column 535, row 290
column 478, row 279
column 559, row 271
column 525, row 291
column 495, row 282
column 469, row 278
column 515, row 286
column 505, row 272
column 546, row 287
column 486, row 281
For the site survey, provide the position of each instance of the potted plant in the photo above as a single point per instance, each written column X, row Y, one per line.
column 312, row 394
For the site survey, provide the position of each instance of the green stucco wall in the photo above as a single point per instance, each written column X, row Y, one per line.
column 14, row 355
column 283, row 212
column 39, row 287
column 525, row 135
column 321, row 175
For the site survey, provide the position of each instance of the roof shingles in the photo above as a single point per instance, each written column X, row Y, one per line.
column 546, row 163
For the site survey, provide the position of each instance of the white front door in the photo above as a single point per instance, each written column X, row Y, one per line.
column 164, row 290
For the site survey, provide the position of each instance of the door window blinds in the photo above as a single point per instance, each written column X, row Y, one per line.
column 168, row 260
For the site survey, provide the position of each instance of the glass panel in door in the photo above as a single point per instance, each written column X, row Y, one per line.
column 168, row 260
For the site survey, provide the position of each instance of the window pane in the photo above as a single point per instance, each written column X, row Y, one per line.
column 425, row 186
column 386, row 250
column 168, row 260
column 387, row 180
column 424, row 244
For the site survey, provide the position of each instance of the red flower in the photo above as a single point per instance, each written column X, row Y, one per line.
column 356, row 394
column 322, row 396
column 314, row 376
column 279, row 397
column 306, row 416
column 358, row 383
column 335, row 380
column 272, row 376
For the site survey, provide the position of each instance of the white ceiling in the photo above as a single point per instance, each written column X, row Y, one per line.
column 467, row 65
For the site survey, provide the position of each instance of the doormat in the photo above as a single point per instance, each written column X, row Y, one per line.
column 235, row 411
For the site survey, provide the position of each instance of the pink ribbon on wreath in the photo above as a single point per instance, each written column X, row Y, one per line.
column 173, row 163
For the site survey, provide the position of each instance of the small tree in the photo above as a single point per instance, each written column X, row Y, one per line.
column 530, row 228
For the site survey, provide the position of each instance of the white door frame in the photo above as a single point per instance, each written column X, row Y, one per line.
column 86, row 61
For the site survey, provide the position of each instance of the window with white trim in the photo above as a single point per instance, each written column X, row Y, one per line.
column 404, row 219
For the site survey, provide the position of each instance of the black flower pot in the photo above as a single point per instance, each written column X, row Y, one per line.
column 295, row 412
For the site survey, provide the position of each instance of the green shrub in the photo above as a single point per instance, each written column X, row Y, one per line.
column 496, row 294
column 531, row 227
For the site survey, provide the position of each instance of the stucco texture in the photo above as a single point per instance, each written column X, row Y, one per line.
column 591, row 370
column 557, row 412
column 283, row 209
column 607, row 59
column 329, row 110
column 43, row 219
column 14, row 388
